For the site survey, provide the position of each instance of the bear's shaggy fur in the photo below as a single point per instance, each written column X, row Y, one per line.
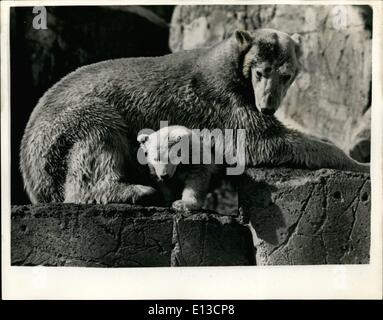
column 80, row 142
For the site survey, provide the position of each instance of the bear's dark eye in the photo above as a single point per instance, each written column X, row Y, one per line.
column 145, row 153
column 286, row 78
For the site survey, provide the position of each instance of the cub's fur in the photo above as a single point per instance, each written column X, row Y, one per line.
column 80, row 142
column 175, row 173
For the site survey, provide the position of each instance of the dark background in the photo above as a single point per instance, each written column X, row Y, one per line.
column 75, row 36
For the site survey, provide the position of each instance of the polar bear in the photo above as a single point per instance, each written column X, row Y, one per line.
column 168, row 153
column 80, row 141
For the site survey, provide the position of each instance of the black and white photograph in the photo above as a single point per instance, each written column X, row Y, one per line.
column 145, row 136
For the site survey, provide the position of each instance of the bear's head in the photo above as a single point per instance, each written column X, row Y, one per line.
column 270, row 63
column 165, row 149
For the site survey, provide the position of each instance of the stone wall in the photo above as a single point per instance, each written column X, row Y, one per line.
column 285, row 217
column 331, row 96
column 119, row 235
column 307, row 217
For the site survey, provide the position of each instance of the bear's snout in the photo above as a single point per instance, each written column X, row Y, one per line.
column 269, row 104
column 268, row 111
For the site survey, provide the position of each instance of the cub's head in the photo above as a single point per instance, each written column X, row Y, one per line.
column 163, row 149
column 271, row 63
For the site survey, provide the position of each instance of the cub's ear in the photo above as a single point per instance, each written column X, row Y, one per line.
column 298, row 44
column 243, row 38
column 142, row 138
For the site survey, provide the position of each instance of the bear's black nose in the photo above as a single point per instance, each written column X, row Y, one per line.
column 268, row 112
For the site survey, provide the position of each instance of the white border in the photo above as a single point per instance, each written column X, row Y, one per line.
column 257, row 282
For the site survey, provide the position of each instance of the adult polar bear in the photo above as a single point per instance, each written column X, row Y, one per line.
column 80, row 142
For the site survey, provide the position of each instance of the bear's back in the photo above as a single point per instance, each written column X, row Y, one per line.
column 110, row 80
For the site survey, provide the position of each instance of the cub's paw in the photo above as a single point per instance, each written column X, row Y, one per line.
column 146, row 196
column 181, row 205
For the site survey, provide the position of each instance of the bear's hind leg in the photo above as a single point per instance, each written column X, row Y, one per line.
column 96, row 172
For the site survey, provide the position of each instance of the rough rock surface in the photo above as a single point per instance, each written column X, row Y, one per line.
column 119, row 235
column 94, row 235
column 307, row 217
column 332, row 93
column 211, row 240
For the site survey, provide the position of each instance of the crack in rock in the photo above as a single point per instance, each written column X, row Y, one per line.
column 294, row 227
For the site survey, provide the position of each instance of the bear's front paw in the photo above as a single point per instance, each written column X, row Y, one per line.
column 359, row 167
column 146, row 196
column 181, row 205
column 364, row 167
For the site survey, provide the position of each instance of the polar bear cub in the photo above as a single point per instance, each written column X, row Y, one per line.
column 170, row 153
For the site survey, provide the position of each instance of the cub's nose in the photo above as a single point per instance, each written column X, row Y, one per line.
column 268, row 111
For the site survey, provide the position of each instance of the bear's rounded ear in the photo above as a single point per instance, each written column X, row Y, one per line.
column 142, row 138
column 243, row 38
column 298, row 44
